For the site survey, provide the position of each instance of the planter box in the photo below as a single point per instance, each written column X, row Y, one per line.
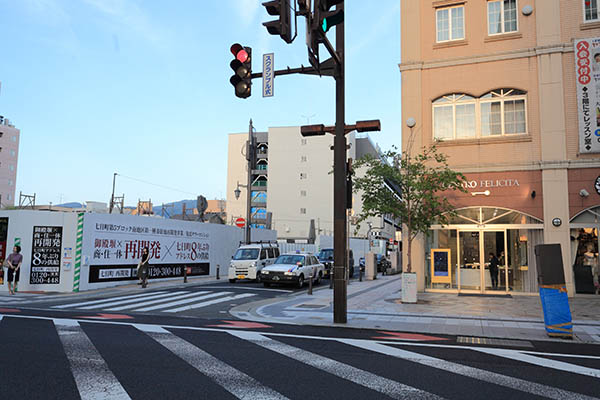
column 409, row 287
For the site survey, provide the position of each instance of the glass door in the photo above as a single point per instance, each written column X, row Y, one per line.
column 469, row 260
column 482, row 261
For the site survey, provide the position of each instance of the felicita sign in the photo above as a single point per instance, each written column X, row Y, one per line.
column 240, row 222
column 490, row 183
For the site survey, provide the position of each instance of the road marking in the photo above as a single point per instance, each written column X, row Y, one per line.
column 128, row 301
column 103, row 300
column 93, row 378
column 406, row 336
column 210, row 302
column 543, row 362
column 241, row 324
column 471, row 372
column 147, row 303
column 178, row 302
column 247, row 288
column 386, row 386
column 234, row 381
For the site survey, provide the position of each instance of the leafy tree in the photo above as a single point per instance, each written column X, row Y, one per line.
column 421, row 180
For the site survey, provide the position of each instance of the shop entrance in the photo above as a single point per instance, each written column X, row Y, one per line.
column 482, row 262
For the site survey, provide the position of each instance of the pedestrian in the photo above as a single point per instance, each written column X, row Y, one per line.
column 14, row 261
column 143, row 267
column 494, row 270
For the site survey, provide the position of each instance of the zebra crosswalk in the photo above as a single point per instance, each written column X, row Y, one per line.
column 159, row 301
column 125, row 360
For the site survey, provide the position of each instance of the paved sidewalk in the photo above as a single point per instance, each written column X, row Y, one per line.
column 377, row 305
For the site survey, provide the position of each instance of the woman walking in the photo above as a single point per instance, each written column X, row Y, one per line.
column 143, row 267
column 14, row 261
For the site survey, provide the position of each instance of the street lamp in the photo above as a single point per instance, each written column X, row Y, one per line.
column 237, row 192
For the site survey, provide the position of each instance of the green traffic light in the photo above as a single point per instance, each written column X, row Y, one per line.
column 324, row 25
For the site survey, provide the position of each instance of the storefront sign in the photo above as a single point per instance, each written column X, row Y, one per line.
column 440, row 266
column 587, row 73
column 45, row 255
column 114, row 248
column 490, row 183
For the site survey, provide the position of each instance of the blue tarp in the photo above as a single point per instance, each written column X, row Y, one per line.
column 557, row 314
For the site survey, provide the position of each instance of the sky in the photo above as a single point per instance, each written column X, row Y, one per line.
column 141, row 88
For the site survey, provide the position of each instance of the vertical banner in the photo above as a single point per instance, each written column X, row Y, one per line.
column 268, row 74
column 78, row 245
column 587, row 74
column 46, row 249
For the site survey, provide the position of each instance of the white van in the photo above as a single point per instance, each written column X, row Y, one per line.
column 250, row 259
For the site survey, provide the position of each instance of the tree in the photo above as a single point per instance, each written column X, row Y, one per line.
column 421, row 181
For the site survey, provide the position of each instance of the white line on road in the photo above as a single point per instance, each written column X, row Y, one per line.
column 386, row 386
column 210, row 302
column 147, row 303
column 247, row 288
column 471, row 372
column 234, row 381
column 93, row 378
column 104, row 300
column 129, row 301
column 542, row 362
column 176, row 303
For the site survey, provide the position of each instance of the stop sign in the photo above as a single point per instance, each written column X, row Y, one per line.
column 240, row 222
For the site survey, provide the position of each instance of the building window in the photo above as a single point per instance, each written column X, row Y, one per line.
column 591, row 10
column 502, row 16
column 14, row 138
column 10, row 182
column 302, row 141
column 303, row 193
column 303, row 211
column 9, row 197
column 450, row 23
column 302, row 175
column 302, row 158
column 12, row 152
column 11, row 167
column 499, row 112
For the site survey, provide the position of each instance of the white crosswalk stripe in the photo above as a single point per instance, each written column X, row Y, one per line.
column 178, row 302
column 129, row 301
column 210, row 302
column 234, row 381
column 386, row 386
column 75, row 305
column 147, row 303
column 476, row 373
column 93, row 378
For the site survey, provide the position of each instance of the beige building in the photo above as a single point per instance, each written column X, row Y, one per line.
column 494, row 84
column 292, row 183
column 9, row 155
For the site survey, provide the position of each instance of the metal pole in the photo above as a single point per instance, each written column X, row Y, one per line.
column 310, row 283
column 249, row 158
column 112, row 197
column 339, row 184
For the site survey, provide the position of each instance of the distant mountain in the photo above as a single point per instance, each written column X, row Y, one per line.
column 71, row 205
column 177, row 208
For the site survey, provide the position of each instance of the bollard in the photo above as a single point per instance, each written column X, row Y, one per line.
column 331, row 277
column 185, row 274
column 310, row 281
column 218, row 268
column 360, row 271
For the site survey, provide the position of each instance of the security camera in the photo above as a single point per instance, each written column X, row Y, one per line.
column 584, row 193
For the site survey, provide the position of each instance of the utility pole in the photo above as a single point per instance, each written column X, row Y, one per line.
column 112, row 197
column 250, row 159
column 340, row 290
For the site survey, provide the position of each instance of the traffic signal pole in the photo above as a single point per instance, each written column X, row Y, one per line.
column 340, row 291
column 250, row 158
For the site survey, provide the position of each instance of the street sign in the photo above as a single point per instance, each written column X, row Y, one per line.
column 240, row 222
column 268, row 74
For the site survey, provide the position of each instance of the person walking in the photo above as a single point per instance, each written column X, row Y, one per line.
column 14, row 261
column 143, row 267
column 494, row 270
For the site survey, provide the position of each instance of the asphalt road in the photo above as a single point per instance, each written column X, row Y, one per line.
column 63, row 354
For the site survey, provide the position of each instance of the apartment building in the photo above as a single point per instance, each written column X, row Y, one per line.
column 292, row 184
column 510, row 91
column 9, row 155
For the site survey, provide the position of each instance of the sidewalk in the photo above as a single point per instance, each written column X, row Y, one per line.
column 377, row 305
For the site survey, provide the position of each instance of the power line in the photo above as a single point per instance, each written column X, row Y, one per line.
column 156, row 184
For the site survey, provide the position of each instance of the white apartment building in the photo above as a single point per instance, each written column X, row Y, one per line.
column 292, row 183
column 9, row 155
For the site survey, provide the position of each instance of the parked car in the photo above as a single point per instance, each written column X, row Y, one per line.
column 325, row 256
column 250, row 259
column 382, row 263
column 293, row 268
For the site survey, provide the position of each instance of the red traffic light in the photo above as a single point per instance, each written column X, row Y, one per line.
column 239, row 52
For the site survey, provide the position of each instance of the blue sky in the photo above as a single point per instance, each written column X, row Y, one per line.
column 142, row 88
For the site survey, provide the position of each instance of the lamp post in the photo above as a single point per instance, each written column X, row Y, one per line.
column 237, row 192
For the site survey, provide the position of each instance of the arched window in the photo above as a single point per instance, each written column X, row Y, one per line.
column 497, row 113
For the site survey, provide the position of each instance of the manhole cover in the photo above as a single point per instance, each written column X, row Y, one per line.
column 310, row 306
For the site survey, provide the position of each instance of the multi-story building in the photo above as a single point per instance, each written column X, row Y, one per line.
column 292, row 184
column 9, row 155
column 507, row 91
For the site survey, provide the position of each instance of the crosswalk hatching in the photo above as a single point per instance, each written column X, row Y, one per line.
column 98, row 370
column 160, row 301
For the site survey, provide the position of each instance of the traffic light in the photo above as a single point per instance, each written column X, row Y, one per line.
column 283, row 25
column 242, row 70
column 325, row 18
